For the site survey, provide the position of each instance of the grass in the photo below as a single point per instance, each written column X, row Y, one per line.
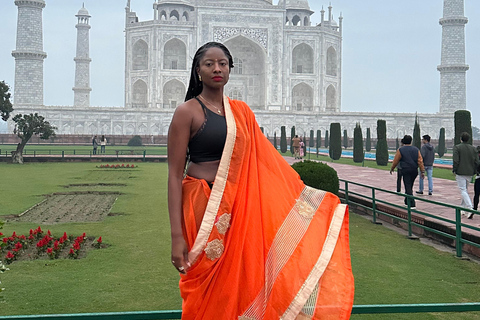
column 135, row 272
column 81, row 149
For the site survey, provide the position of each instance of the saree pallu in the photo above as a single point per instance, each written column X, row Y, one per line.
column 262, row 244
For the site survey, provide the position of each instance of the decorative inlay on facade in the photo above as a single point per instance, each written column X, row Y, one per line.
column 311, row 43
column 144, row 78
column 169, row 36
column 259, row 35
column 182, row 79
column 142, row 37
column 311, row 83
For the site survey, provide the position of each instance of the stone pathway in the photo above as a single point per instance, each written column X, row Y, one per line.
column 445, row 191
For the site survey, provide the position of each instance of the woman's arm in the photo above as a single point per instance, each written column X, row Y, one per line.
column 178, row 137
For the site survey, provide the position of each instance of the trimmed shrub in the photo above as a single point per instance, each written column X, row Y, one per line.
column 275, row 140
column 381, row 151
column 311, row 142
column 357, row 144
column 441, row 143
column 319, row 140
column 283, row 140
column 136, row 141
column 292, row 135
column 417, row 142
column 327, row 140
column 345, row 139
column 463, row 123
column 317, row 175
column 368, row 141
column 335, row 150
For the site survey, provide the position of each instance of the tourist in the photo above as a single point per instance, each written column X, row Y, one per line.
column 248, row 237
column 94, row 144
column 428, row 155
column 411, row 160
column 399, row 172
column 465, row 163
column 296, row 147
column 477, row 184
column 301, row 147
column 103, row 143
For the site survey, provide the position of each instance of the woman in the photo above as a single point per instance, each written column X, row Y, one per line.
column 103, row 143
column 249, row 239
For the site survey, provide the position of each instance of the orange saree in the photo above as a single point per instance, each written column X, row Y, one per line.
column 262, row 244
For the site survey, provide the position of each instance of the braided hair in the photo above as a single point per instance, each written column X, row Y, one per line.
column 195, row 86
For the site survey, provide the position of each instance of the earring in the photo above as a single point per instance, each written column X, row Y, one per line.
column 200, row 78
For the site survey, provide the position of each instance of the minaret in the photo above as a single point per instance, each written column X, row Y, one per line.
column 82, row 61
column 29, row 54
column 453, row 68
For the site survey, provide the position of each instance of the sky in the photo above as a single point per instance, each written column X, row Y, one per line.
column 390, row 54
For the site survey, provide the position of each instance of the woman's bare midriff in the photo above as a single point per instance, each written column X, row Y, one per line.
column 204, row 170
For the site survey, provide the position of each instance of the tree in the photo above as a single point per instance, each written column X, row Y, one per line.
column 261, row 129
column 292, row 135
column 417, row 142
column 136, row 141
column 319, row 140
column 327, row 141
column 25, row 127
column 5, row 105
column 275, row 140
column 368, row 141
column 283, row 140
column 311, row 142
column 463, row 123
column 357, row 144
column 397, row 144
column 335, row 150
column 441, row 143
column 381, row 152
column 345, row 139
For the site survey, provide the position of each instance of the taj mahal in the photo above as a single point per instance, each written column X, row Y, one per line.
column 287, row 68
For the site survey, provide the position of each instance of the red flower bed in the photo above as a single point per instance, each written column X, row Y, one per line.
column 20, row 247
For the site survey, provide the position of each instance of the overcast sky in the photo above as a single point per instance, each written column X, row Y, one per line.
column 391, row 50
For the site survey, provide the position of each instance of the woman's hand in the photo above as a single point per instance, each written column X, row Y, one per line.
column 180, row 254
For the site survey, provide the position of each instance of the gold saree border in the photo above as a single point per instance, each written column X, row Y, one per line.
column 312, row 280
column 218, row 187
column 284, row 244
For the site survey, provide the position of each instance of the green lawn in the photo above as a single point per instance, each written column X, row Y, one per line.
column 135, row 272
column 81, row 149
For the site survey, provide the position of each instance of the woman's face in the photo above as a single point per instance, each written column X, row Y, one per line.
column 213, row 68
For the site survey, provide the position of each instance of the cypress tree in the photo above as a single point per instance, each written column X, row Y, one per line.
column 261, row 128
column 382, row 146
column 275, row 140
column 283, row 140
column 345, row 139
column 335, row 150
column 304, row 146
column 319, row 140
column 417, row 142
column 441, row 143
column 292, row 135
column 368, row 142
column 357, row 144
column 397, row 144
column 327, row 141
column 311, row 142
column 463, row 123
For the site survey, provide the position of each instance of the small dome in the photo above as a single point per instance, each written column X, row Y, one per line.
column 83, row 12
column 294, row 4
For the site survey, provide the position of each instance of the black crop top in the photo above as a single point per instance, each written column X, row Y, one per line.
column 208, row 142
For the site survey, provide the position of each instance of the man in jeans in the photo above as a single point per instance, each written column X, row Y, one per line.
column 411, row 160
column 428, row 155
column 465, row 163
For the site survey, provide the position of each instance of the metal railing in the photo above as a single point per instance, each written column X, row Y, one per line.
column 373, row 201
column 177, row 314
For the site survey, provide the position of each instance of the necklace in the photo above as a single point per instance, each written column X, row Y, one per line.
column 211, row 104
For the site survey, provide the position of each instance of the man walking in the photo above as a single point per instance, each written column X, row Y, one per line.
column 428, row 155
column 410, row 159
column 465, row 162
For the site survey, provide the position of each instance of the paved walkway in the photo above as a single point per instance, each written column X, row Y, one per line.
column 445, row 191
